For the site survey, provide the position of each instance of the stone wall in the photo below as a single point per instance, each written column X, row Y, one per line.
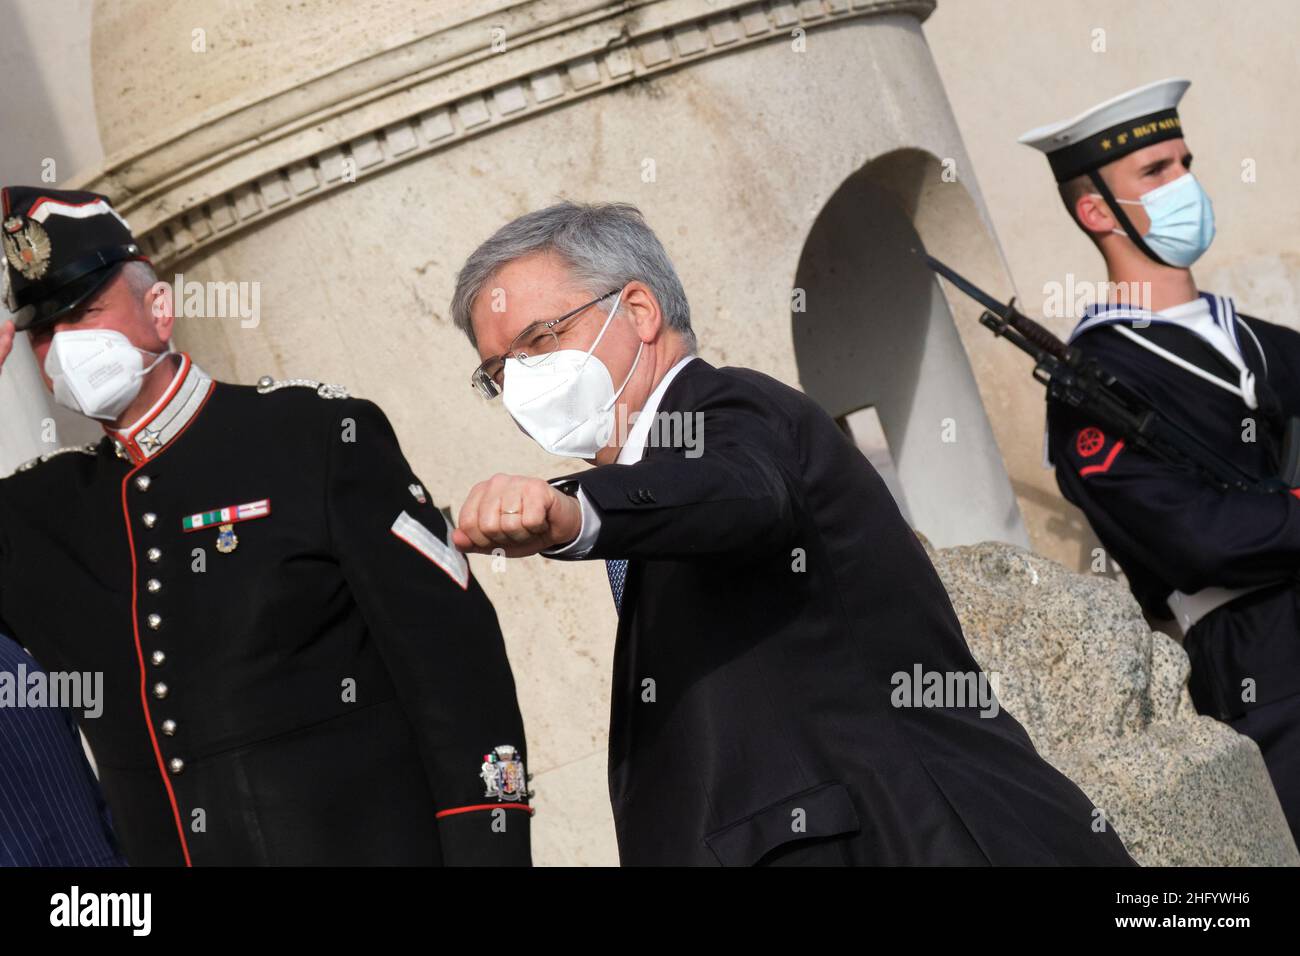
column 1105, row 700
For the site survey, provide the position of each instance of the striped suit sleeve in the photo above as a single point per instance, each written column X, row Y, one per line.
column 51, row 810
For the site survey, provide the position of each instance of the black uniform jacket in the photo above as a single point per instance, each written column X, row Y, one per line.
column 1170, row 530
column 297, row 667
column 773, row 595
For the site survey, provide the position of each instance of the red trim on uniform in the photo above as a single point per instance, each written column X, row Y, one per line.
column 128, row 441
column 135, row 628
column 481, row 806
column 1105, row 465
column 41, row 200
column 1296, row 492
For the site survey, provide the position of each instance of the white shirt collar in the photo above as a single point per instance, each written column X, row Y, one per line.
column 634, row 448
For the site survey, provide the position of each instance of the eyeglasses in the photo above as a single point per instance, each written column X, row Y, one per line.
column 533, row 346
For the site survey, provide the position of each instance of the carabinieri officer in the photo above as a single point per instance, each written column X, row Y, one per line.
column 1222, row 564
column 298, row 666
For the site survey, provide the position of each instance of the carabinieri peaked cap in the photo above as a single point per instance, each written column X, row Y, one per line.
column 1110, row 131
column 60, row 246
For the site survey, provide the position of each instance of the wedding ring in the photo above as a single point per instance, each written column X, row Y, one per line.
column 514, row 511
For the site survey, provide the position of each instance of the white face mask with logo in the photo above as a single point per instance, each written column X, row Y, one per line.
column 566, row 403
column 97, row 372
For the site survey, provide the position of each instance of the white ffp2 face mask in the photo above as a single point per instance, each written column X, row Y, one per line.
column 566, row 403
column 96, row 372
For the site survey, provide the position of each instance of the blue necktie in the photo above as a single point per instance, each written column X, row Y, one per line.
column 617, row 571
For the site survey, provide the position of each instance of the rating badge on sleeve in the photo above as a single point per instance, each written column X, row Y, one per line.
column 503, row 774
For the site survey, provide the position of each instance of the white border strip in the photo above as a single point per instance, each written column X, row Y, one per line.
column 46, row 207
column 427, row 543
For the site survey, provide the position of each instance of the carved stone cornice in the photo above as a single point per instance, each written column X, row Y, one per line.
column 237, row 164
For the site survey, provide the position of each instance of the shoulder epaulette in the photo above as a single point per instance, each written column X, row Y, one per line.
column 266, row 385
column 88, row 449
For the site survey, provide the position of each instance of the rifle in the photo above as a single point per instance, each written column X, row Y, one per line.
column 1082, row 383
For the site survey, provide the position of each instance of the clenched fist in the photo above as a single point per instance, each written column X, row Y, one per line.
column 519, row 515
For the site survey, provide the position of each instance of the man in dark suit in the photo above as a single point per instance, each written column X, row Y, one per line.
column 297, row 667
column 770, row 593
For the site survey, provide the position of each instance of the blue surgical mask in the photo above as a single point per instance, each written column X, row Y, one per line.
column 1182, row 220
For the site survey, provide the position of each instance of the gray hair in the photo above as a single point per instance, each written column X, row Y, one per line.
column 605, row 246
column 140, row 277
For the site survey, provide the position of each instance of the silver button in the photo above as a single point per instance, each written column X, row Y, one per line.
column 154, row 621
column 154, row 555
column 150, row 519
column 160, row 690
column 143, row 482
column 154, row 585
column 176, row 765
column 157, row 657
column 169, row 727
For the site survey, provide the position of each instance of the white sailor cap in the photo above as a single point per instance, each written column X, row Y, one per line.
column 1111, row 130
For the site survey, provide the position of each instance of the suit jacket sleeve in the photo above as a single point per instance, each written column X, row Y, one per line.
column 736, row 497
column 1196, row 535
column 435, row 629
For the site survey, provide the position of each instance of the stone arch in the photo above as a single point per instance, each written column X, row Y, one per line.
column 877, row 345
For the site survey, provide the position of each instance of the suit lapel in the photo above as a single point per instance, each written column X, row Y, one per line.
column 676, row 398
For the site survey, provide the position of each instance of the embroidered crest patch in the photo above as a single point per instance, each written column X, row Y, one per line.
column 27, row 246
column 503, row 774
